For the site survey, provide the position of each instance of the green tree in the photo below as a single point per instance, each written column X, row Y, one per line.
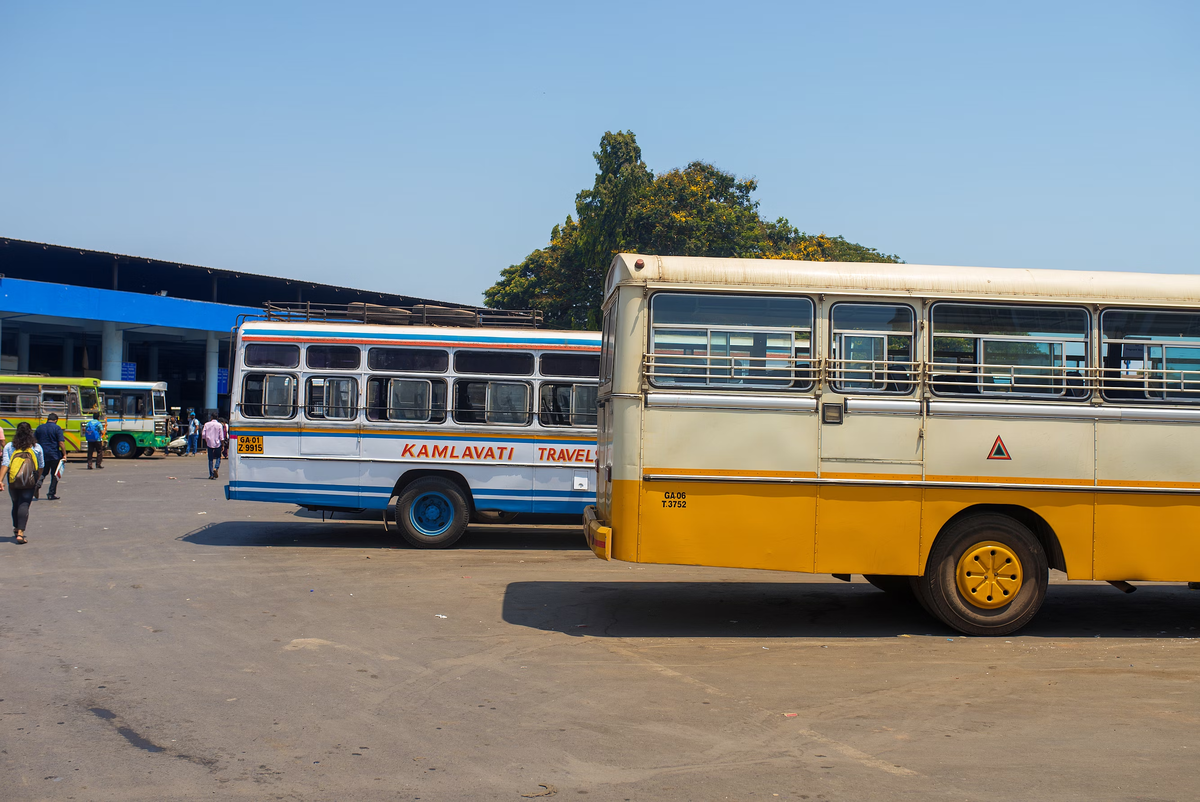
column 697, row 211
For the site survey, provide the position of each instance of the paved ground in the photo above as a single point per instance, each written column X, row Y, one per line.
column 160, row 643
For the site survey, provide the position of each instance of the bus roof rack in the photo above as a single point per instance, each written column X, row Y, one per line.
column 417, row 315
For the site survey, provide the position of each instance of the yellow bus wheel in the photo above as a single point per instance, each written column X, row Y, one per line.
column 986, row 575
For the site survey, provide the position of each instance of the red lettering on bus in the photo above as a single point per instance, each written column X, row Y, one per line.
column 441, row 452
column 423, row 452
column 408, row 450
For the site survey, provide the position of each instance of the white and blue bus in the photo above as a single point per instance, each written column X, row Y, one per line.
column 435, row 426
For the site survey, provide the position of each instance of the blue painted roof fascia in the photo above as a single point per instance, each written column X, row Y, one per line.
column 88, row 303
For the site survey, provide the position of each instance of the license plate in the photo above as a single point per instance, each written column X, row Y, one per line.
column 249, row 445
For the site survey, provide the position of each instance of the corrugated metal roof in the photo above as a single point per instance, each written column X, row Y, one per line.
column 917, row 280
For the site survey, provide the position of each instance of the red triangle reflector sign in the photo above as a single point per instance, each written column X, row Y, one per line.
column 998, row 450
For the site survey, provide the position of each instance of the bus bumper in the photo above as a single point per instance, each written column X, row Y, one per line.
column 227, row 497
column 599, row 537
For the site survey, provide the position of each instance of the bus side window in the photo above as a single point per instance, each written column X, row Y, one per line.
column 567, row 404
column 54, row 402
column 491, row 402
column 1150, row 355
column 73, row 403
column 407, row 400
column 331, row 398
column 269, row 395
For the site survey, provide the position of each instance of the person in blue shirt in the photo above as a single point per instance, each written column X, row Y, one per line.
column 193, row 437
column 53, row 441
column 94, row 434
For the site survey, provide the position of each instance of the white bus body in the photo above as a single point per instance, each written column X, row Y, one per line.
column 346, row 416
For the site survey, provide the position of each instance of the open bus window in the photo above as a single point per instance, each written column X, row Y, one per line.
column 269, row 395
column 582, row 366
column 984, row 349
column 272, row 355
column 1150, row 355
column 873, row 347
column 331, row 398
column 412, row 360
column 731, row 341
column 567, row 405
column 333, row 357
column 499, row 363
column 73, row 403
column 20, row 399
column 407, row 400
column 54, row 401
column 491, row 402
column 160, row 402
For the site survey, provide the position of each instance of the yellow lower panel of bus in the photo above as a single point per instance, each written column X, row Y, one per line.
column 868, row 530
column 732, row 524
column 1068, row 514
column 626, row 499
column 1150, row 537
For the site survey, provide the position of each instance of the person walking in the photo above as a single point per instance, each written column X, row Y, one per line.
column 214, row 436
column 93, row 433
column 193, row 437
column 22, row 465
column 53, row 441
column 225, row 435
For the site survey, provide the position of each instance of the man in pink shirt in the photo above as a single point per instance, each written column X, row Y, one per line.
column 213, row 435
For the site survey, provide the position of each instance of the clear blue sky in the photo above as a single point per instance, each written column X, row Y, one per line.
column 420, row 148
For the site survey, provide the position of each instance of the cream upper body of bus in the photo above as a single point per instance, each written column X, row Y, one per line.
column 951, row 432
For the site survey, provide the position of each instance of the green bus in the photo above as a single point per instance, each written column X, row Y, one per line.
column 32, row 398
column 137, row 417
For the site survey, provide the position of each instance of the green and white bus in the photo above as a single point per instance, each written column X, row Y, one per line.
column 137, row 417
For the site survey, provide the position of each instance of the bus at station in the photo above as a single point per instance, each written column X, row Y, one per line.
column 951, row 433
column 136, row 414
column 434, row 425
column 32, row 398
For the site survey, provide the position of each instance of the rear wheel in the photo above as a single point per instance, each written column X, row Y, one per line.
column 898, row 586
column 139, row 451
column 986, row 575
column 432, row 513
column 148, row 451
column 122, row 447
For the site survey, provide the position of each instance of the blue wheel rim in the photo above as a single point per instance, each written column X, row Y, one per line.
column 431, row 513
column 122, row 448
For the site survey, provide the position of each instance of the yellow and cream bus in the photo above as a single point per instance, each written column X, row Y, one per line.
column 949, row 432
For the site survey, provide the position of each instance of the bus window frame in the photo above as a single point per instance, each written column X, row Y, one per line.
column 487, row 403
column 1066, row 392
column 262, row 404
column 768, row 384
column 386, row 380
column 324, row 405
column 838, row 381
column 546, row 418
column 1150, row 375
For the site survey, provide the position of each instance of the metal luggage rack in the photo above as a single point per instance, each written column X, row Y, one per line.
column 416, row 315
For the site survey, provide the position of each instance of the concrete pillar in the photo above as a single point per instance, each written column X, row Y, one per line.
column 153, row 366
column 210, row 372
column 68, row 365
column 111, row 352
column 22, row 352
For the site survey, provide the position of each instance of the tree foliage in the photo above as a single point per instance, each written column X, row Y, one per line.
column 699, row 210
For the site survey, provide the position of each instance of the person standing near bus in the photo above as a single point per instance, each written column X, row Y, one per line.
column 53, row 441
column 214, row 437
column 193, row 437
column 93, row 433
column 22, row 465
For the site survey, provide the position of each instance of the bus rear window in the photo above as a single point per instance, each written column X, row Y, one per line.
column 272, row 355
column 415, row 360
column 584, row 366
column 501, row 363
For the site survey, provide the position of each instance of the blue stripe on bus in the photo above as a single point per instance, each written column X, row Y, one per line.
column 379, row 502
column 482, row 492
column 433, row 339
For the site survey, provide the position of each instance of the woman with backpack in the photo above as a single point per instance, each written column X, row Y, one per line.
column 23, row 461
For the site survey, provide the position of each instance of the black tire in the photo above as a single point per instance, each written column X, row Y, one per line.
column 148, row 452
column 432, row 513
column 898, row 586
column 139, row 452
column 988, row 536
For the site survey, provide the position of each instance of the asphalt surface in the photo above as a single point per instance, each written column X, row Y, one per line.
column 160, row 643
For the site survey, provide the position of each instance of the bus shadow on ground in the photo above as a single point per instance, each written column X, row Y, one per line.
column 824, row 610
column 361, row 535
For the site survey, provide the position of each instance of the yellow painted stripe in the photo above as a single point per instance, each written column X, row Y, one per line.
column 734, row 474
column 1009, row 480
column 1168, row 485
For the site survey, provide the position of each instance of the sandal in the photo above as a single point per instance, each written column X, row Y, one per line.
column 21, row 540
